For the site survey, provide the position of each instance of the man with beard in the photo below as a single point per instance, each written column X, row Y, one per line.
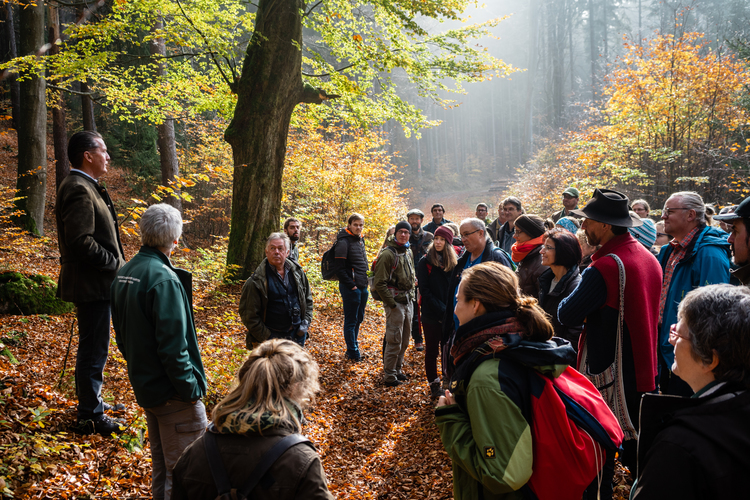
column 596, row 302
column 570, row 203
column 419, row 240
column 292, row 228
column 739, row 238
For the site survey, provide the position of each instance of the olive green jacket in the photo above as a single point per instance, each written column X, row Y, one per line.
column 398, row 286
column 89, row 240
column 254, row 300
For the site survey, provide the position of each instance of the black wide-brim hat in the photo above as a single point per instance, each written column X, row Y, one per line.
column 609, row 207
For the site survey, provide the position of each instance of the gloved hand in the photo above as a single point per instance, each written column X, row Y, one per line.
column 302, row 331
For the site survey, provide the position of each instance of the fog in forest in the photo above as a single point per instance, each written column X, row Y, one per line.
column 566, row 49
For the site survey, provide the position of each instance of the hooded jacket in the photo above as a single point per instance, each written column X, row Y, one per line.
column 489, row 412
column 398, row 285
column 706, row 262
column 296, row 475
column 254, row 301
column 351, row 260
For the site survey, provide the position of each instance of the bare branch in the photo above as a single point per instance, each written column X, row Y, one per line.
column 312, row 9
column 205, row 40
column 327, row 74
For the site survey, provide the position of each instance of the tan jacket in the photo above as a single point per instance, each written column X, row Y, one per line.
column 89, row 240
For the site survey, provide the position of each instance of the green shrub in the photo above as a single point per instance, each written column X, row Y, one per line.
column 34, row 294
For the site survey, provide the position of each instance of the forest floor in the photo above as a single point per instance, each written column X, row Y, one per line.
column 375, row 442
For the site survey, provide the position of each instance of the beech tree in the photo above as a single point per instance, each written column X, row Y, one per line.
column 354, row 51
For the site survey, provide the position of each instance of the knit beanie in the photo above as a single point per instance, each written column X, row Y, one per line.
column 568, row 224
column 445, row 233
column 533, row 225
column 403, row 225
column 645, row 234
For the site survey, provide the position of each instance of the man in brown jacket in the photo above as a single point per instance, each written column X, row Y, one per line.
column 90, row 255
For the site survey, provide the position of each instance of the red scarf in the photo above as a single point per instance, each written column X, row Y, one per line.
column 493, row 334
column 519, row 252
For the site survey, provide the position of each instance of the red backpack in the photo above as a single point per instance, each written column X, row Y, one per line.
column 571, row 425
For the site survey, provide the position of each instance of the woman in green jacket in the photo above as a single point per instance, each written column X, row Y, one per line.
column 481, row 422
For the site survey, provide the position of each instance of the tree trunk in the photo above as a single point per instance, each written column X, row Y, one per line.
column 31, row 186
column 592, row 47
column 87, row 108
column 529, row 112
column 170, row 167
column 10, row 36
column 59, row 128
column 267, row 92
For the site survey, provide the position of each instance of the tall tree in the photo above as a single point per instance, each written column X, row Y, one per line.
column 59, row 128
column 9, row 33
column 170, row 167
column 371, row 39
column 31, row 185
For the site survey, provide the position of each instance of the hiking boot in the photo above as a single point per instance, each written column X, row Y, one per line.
column 403, row 377
column 115, row 408
column 419, row 346
column 394, row 383
column 103, row 425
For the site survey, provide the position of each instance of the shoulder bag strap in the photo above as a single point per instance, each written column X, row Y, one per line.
column 269, row 458
column 218, row 471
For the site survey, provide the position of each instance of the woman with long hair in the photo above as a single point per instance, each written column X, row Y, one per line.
column 562, row 253
column 433, row 276
column 276, row 382
column 503, row 338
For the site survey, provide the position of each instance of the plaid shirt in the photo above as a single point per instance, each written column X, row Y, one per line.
column 678, row 252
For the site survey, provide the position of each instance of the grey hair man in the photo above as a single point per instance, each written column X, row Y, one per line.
column 276, row 301
column 90, row 255
column 152, row 314
column 479, row 248
column 697, row 255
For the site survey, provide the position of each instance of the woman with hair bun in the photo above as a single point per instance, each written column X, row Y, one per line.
column 483, row 425
column 276, row 382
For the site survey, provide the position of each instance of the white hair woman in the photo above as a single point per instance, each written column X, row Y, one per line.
column 276, row 382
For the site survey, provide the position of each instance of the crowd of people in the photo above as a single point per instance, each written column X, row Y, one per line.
column 638, row 308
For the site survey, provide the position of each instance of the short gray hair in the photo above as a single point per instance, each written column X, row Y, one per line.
column 279, row 236
column 476, row 224
column 693, row 201
column 718, row 319
column 161, row 226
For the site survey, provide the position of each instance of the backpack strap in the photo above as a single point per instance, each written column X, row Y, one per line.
column 269, row 458
column 218, row 471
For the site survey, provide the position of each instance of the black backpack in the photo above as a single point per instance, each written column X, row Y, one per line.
column 328, row 264
column 219, row 472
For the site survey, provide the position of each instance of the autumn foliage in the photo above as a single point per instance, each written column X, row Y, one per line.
column 672, row 120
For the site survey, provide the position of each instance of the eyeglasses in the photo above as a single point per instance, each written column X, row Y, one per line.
column 673, row 335
column 466, row 235
column 549, row 248
column 517, row 231
column 666, row 211
column 661, row 234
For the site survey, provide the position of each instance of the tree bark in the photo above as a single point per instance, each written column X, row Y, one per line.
column 170, row 167
column 10, row 35
column 267, row 92
column 87, row 109
column 59, row 127
column 592, row 47
column 528, row 130
column 31, row 185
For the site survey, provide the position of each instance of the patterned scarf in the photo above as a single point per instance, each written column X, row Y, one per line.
column 492, row 336
column 246, row 422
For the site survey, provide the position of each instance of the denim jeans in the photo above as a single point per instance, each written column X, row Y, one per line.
column 93, row 348
column 171, row 428
column 355, row 302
